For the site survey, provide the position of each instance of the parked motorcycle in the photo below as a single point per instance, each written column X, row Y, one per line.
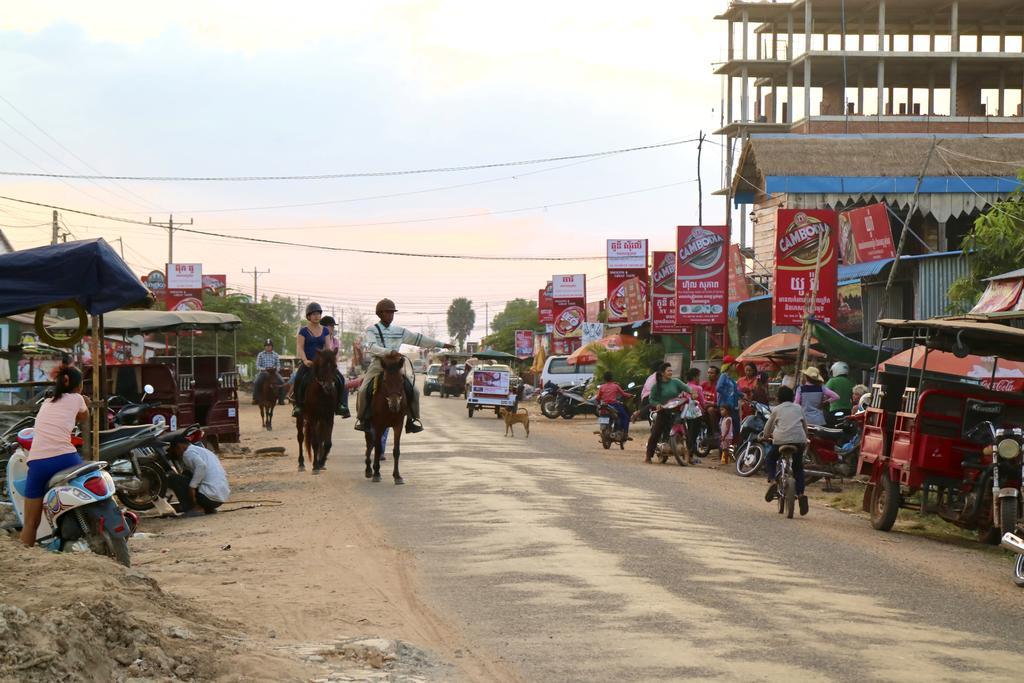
column 548, row 401
column 78, row 505
column 571, row 402
column 608, row 419
column 750, row 451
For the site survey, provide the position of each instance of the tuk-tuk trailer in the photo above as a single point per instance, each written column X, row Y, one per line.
column 942, row 444
column 490, row 387
column 188, row 388
column 452, row 379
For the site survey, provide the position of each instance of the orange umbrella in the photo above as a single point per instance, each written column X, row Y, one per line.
column 783, row 346
column 1009, row 375
column 614, row 342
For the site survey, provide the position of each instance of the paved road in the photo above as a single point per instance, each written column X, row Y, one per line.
column 573, row 563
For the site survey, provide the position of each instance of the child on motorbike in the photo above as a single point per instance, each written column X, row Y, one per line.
column 609, row 393
column 786, row 427
column 51, row 449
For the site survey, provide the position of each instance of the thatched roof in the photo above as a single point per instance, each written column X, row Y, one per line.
column 888, row 156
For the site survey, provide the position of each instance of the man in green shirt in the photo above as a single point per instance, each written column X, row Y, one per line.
column 665, row 389
column 842, row 385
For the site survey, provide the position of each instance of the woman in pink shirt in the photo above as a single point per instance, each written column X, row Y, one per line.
column 51, row 449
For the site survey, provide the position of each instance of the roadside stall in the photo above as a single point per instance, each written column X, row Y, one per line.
column 188, row 387
column 86, row 276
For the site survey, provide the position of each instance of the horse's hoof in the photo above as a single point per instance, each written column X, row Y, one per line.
column 383, row 458
column 399, row 480
column 316, row 471
column 376, row 478
column 302, row 468
column 369, row 473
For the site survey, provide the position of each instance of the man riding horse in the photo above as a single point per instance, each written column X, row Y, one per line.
column 265, row 359
column 378, row 340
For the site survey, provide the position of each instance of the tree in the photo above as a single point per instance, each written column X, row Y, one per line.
column 519, row 314
column 265, row 320
column 995, row 245
column 461, row 319
column 355, row 325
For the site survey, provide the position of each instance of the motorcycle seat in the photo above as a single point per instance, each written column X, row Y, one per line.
column 130, row 431
column 826, row 432
column 74, row 471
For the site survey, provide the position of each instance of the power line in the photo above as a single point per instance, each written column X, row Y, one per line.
column 360, row 174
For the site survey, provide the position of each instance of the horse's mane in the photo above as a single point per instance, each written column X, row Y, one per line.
column 392, row 361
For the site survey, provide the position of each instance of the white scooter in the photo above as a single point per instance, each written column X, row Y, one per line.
column 77, row 506
column 1015, row 543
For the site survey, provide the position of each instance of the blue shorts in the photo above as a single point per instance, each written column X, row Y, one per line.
column 40, row 472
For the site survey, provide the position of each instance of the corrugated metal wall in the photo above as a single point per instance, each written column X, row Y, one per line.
column 931, row 284
column 876, row 305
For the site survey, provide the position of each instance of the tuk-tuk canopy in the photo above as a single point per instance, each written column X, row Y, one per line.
column 961, row 336
column 496, row 356
column 88, row 271
column 142, row 322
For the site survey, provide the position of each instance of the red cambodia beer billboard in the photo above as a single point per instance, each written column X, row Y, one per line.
column 545, row 306
column 702, row 275
column 865, row 234
column 627, row 280
column 663, row 295
column 796, row 254
column 570, row 305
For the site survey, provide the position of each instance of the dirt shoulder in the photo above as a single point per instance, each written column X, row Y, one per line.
column 280, row 589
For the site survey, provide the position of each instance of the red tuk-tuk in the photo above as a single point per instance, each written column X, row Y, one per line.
column 946, row 443
column 188, row 388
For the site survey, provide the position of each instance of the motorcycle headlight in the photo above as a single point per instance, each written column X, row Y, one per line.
column 1008, row 449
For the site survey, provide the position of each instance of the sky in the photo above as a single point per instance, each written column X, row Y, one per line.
column 276, row 89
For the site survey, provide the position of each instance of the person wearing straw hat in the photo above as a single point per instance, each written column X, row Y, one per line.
column 812, row 395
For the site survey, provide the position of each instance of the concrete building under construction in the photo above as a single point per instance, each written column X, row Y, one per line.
column 854, row 67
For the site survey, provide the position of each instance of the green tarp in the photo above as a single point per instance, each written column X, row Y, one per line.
column 837, row 346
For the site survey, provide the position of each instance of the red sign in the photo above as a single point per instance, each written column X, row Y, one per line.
column 184, row 299
column 739, row 286
column 865, row 234
column 663, row 295
column 565, row 347
column 215, row 284
column 627, row 280
column 545, row 306
column 702, row 275
column 800, row 236
column 524, row 343
column 570, row 309
column 1000, row 295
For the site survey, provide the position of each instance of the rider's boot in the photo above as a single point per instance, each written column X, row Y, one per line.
column 297, row 410
column 412, row 424
column 341, row 409
column 804, row 505
column 772, row 491
column 362, row 411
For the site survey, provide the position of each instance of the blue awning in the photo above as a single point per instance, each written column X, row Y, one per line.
column 735, row 305
column 891, row 185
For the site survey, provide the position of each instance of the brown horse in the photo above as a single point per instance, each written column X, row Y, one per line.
column 388, row 408
column 270, row 392
column 316, row 423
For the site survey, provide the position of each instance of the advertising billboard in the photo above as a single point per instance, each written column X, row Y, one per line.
column 627, row 280
column 546, row 305
column 663, row 295
column 524, row 343
column 865, row 235
column 801, row 234
column 570, row 305
column 702, row 275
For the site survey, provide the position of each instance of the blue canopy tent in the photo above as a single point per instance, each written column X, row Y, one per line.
column 87, row 271
column 86, row 275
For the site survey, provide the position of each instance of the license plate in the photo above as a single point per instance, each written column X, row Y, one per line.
column 604, row 420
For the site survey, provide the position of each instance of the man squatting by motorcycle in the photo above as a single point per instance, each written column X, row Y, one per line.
column 380, row 339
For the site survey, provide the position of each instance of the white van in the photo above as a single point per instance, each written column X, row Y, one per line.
column 557, row 370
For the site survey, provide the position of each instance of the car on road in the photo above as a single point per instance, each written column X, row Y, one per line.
column 433, row 381
column 419, row 366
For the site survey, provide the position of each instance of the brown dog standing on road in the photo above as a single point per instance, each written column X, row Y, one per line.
column 522, row 417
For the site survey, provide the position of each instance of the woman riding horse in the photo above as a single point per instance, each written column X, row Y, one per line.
column 316, row 424
column 311, row 339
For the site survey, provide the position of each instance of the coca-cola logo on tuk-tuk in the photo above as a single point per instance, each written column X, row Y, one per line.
column 800, row 241
column 570, row 320
column 702, row 252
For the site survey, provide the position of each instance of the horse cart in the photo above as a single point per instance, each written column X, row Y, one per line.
column 189, row 387
column 947, row 443
column 452, row 379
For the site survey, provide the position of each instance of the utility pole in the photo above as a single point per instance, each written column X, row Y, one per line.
column 56, row 230
column 700, row 188
column 255, row 272
column 487, row 319
column 170, row 234
column 120, row 241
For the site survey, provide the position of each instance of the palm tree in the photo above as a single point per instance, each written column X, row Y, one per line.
column 461, row 319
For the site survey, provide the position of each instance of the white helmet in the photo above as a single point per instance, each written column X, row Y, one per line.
column 839, row 368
